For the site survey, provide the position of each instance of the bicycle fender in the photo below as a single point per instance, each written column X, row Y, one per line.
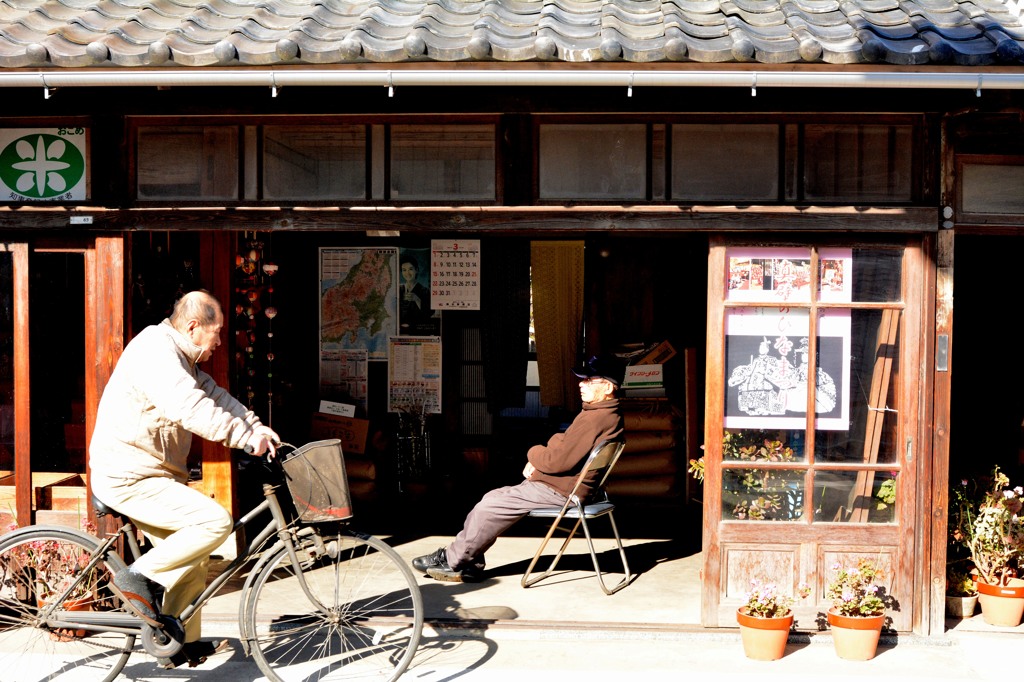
column 16, row 534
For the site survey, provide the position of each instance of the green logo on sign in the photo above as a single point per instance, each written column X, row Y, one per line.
column 41, row 166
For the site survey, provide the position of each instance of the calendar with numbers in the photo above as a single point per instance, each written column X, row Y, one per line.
column 455, row 274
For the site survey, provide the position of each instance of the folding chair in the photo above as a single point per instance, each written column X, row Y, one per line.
column 602, row 460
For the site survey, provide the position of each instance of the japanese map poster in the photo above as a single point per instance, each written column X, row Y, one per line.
column 414, row 375
column 767, row 368
column 358, row 300
column 455, row 274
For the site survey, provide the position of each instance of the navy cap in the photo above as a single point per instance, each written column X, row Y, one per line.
column 604, row 367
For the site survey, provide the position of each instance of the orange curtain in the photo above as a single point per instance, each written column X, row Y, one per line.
column 557, row 279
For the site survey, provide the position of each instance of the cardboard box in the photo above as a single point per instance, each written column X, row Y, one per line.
column 658, row 355
column 349, row 430
column 644, row 376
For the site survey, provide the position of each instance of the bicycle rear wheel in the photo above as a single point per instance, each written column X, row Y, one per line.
column 365, row 624
column 31, row 563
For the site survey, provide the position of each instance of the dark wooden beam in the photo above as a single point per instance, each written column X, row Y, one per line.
column 525, row 220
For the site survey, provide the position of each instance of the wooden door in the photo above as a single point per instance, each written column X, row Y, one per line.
column 812, row 435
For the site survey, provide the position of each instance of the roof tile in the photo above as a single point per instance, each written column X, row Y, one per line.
column 133, row 33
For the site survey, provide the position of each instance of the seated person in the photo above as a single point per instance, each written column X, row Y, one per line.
column 550, row 474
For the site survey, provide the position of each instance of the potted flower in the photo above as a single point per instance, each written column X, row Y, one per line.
column 996, row 543
column 45, row 570
column 765, row 620
column 961, row 593
column 961, row 590
column 858, row 609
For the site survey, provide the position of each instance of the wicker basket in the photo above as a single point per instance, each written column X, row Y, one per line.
column 316, row 480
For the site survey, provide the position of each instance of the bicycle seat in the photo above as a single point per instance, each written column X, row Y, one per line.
column 102, row 509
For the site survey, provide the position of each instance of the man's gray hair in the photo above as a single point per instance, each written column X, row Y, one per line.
column 195, row 305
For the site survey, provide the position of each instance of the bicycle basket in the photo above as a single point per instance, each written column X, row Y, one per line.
column 317, row 482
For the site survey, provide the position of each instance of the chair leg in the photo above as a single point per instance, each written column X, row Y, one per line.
column 527, row 581
column 627, row 577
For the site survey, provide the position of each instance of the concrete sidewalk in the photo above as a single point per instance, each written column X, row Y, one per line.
column 564, row 627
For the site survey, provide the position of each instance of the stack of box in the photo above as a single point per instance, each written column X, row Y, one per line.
column 645, row 376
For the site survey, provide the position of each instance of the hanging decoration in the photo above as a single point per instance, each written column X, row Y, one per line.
column 254, row 315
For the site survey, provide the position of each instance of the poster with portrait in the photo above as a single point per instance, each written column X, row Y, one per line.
column 416, row 316
column 358, row 299
column 768, row 369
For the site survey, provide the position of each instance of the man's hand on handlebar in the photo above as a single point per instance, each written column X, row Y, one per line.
column 264, row 440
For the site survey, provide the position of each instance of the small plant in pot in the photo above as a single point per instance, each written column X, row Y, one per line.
column 965, row 497
column 859, row 602
column 997, row 544
column 766, row 618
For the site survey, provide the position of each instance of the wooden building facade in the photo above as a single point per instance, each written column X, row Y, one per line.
column 783, row 209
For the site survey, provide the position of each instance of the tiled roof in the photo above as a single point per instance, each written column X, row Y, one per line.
column 139, row 33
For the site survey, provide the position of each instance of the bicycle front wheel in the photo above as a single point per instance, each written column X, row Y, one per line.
column 361, row 620
column 32, row 565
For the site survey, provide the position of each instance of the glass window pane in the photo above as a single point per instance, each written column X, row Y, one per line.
column 850, row 163
column 188, row 163
column 706, row 159
column 764, row 386
column 763, row 445
column 763, row 274
column 872, row 396
column 992, row 188
column 855, row 496
column 762, row 494
column 602, row 162
column 442, row 162
column 877, row 275
column 314, row 162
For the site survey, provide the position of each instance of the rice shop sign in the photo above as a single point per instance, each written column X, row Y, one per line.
column 43, row 164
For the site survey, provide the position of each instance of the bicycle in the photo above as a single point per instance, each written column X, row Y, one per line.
column 352, row 607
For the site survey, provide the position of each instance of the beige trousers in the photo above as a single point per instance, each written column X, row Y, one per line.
column 184, row 526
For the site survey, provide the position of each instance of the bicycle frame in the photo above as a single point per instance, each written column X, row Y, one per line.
column 127, row 623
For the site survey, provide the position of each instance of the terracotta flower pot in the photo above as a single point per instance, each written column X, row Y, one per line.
column 1002, row 605
column 855, row 637
column 66, row 635
column 764, row 639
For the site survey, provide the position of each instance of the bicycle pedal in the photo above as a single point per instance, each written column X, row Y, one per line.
column 127, row 603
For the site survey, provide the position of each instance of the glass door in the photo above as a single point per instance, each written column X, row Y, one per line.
column 810, row 435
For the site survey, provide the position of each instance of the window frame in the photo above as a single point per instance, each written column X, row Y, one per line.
column 250, row 150
column 962, row 216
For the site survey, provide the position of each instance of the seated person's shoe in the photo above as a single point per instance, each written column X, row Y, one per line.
column 195, row 653
column 434, row 560
column 450, row 575
column 436, row 566
column 139, row 592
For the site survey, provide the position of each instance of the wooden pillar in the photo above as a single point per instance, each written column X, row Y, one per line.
column 937, row 496
column 22, row 440
column 216, row 265
column 104, row 329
